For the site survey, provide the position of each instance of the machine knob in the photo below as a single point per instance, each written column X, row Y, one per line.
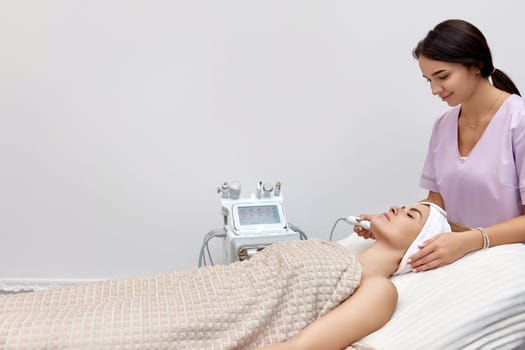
column 235, row 190
column 224, row 189
column 267, row 189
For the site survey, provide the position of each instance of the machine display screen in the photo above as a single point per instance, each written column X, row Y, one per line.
column 259, row 215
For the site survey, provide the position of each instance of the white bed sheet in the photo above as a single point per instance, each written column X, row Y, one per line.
column 476, row 303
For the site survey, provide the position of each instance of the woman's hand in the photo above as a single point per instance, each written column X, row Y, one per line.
column 362, row 232
column 440, row 250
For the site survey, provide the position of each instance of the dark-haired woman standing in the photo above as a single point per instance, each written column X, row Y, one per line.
column 475, row 166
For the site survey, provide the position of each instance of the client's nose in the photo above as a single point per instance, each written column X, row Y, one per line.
column 394, row 209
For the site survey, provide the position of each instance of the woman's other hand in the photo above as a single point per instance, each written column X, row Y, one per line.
column 440, row 250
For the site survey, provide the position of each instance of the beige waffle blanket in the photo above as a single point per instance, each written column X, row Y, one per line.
column 266, row 299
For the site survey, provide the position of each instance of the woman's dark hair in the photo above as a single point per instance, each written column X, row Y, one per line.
column 458, row 41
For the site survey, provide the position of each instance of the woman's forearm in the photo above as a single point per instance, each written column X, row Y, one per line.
column 507, row 232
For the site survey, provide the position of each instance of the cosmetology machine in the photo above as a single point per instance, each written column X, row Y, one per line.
column 250, row 223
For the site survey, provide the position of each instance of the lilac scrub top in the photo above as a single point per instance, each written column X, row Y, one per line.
column 488, row 185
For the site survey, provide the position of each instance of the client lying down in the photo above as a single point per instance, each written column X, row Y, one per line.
column 398, row 233
column 294, row 295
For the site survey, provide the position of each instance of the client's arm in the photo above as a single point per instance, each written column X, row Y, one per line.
column 367, row 310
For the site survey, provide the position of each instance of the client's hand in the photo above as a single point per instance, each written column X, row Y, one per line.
column 361, row 232
column 442, row 249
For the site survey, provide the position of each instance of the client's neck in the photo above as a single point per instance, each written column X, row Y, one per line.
column 380, row 259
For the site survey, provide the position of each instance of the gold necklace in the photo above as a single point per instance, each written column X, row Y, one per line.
column 472, row 125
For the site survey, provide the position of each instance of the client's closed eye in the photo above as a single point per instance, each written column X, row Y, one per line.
column 415, row 210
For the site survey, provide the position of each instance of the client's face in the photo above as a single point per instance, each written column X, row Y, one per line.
column 400, row 225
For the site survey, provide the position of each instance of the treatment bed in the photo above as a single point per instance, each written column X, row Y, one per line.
column 475, row 303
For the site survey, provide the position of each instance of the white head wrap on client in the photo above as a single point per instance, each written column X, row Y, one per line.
column 436, row 223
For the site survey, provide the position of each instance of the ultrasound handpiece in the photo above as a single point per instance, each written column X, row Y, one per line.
column 354, row 220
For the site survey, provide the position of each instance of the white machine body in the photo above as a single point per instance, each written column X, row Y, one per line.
column 253, row 223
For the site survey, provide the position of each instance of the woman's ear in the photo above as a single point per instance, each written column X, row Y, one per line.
column 477, row 68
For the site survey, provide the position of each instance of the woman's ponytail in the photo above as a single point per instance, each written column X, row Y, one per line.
column 503, row 82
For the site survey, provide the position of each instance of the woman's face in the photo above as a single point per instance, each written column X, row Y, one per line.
column 400, row 225
column 454, row 83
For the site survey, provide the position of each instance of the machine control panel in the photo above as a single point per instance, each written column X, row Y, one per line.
column 256, row 218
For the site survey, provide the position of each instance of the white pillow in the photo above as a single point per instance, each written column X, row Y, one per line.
column 477, row 302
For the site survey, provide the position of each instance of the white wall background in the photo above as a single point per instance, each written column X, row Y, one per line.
column 119, row 119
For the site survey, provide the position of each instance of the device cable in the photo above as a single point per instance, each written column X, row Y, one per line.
column 333, row 227
column 352, row 220
column 209, row 236
column 298, row 230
